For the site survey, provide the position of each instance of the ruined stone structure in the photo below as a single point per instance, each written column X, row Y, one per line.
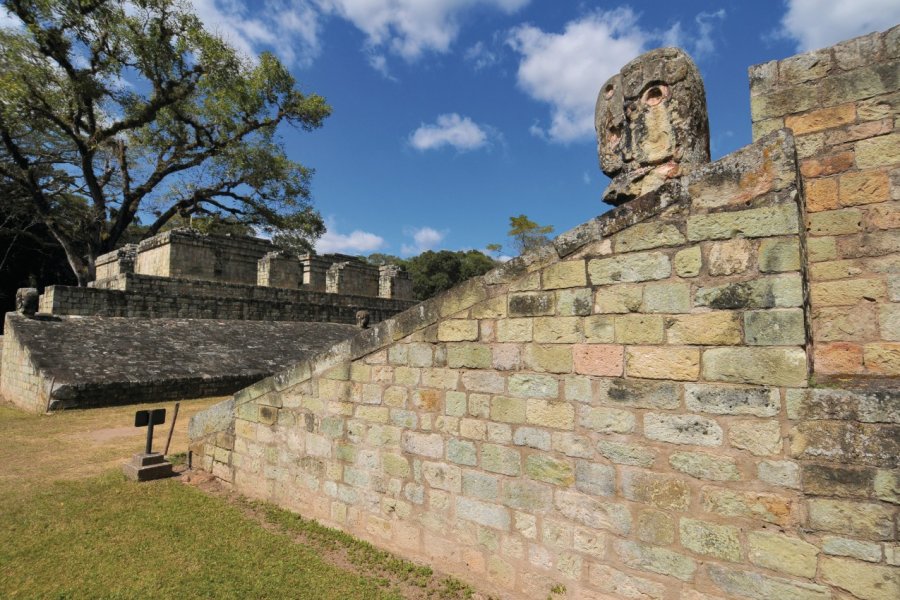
column 651, row 124
column 691, row 397
column 184, row 315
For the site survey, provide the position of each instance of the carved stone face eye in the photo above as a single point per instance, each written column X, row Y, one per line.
column 608, row 91
column 613, row 135
column 655, row 94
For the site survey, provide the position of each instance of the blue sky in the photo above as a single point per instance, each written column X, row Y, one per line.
column 452, row 115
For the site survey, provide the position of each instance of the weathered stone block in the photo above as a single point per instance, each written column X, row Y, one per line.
column 866, row 520
column 682, row 429
column 532, row 437
column 859, row 443
column 688, row 262
column 720, row 541
column 606, row 420
column 881, row 151
column 783, row 291
column 637, row 455
column 764, row 366
column 619, row 299
column 762, row 438
column 838, row 480
column 729, row 257
column 545, row 413
column 469, row 356
column 756, row 222
column 653, row 362
column 640, row 394
column 530, row 304
column 609, row 580
column 458, row 330
column 526, row 495
column 864, row 187
column 781, row 553
column 639, row 329
column 425, row 444
column 747, row 584
column 565, row 274
column 840, row 546
column 597, row 479
column 574, row 302
column 779, row 255
column 770, row 508
column 500, row 459
column 868, row 582
column 655, row 527
column 557, row 330
column 667, row 298
column 515, row 330
column 654, row 559
column 717, row 328
column 732, row 400
column 462, row 452
column 550, row 470
column 596, row 514
column 782, row 473
column 648, row 235
column 442, row 476
column 508, row 410
column 629, row 268
column 553, row 358
column 655, row 489
column 705, row 466
column 529, row 385
column 483, row 513
column 605, row 360
column 480, row 485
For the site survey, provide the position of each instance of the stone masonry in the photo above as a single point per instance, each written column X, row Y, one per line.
column 629, row 411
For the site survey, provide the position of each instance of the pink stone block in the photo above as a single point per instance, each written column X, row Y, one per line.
column 606, row 360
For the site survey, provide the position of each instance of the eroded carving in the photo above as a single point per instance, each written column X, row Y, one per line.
column 362, row 319
column 651, row 123
column 27, row 301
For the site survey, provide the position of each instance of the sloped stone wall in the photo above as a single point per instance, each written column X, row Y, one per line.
column 842, row 104
column 626, row 413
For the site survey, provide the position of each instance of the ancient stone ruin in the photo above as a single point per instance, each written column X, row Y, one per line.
column 182, row 315
column 693, row 396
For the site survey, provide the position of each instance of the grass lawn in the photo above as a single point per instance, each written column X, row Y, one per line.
column 71, row 526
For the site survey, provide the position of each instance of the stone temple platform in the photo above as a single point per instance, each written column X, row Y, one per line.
column 69, row 362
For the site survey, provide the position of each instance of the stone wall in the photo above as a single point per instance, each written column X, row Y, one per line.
column 133, row 295
column 626, row 413
column 352, row 277
column 18, row 376
column 82, row 362
column 188, row 254
column 842, row 104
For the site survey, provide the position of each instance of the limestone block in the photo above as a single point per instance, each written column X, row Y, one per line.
column 564, row 274
column 526, row 496
column 639, row 394
column 720, row 541
column 682, row 429
column 732, row 400
column 618, row 299
column 657, row 560
column 646, row 236
column 748, row 584
column 764, row 366
column 549, row 470
column 868, row 582
column 756, row 222
column 688, row 262
column 775, row 327
column 599, row 359
column 500, row 459
column 458, row 330
column 555, row 415
column 705, row 466
column 637, row 455
column 639, row 329
column 712, row 328
column 483, row 513
column 669, row 362
column 667, row 298
column 729, row 257
column 657, row 490
column 656, row 527
column 630, row 268
column 858, row 519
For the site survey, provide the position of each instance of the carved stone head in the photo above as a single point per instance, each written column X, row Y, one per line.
column 651, row 123
column 362, row 319
column 27, row 301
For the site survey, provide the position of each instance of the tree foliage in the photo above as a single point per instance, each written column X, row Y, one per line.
column 433, row 272
column 527, row 235
column 115, row 112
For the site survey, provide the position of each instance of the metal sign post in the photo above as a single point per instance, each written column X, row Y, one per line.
column 148, row 465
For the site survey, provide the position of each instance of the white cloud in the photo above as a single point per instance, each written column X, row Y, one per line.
column 408, row 28
column 480, row 56
column 289, row 28
column 449, row 130
column 815, row 24
column 355, row 242
column 425, row 238
column 566, row 69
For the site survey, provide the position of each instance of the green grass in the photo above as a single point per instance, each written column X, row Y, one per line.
column 71, row 526
column 106, row 537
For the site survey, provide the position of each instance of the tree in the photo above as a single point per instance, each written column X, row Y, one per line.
column 433, row 272
column 528, row 235
column 113, row 112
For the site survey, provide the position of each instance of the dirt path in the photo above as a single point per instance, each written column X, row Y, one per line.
column 35, row 449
